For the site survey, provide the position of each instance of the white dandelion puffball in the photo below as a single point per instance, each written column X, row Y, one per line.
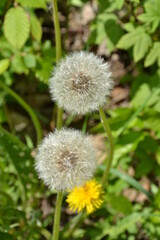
column 80, row 83
column 65, row 159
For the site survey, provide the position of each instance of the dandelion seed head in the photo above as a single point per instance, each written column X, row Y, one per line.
column 65, row 159
column 89, row 196
column 81, row 82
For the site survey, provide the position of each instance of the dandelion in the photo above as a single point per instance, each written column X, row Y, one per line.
column 89, row 197
column 65, row 159
column 80, row 83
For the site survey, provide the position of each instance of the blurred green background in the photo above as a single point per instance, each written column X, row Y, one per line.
column 127, row 35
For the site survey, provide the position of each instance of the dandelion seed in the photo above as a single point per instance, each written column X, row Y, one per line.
column 80, row 83
column 89, row 197
column 65, row 159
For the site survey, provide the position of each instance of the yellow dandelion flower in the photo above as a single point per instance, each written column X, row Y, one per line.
column 89, row 196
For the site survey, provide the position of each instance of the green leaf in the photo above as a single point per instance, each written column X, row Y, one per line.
column 33, row 3
column 137, row 38
column 4, row 64
column 141, row 47
column 145, row 165
column 10, row 215
column 76, row 3
column 142, row 92
column 4, row 236
column 5, row 199
column 128, row 179
column 131, row 181
column 129, row 39
column 2, row 6
column 19, row 156
column 158, row 156
column 135, row 1
column 36, row 29
column 153, row 123
column 153, row 55
column 120, row 203
column 151, row 95
column 43, row 70
column 121, row 226
column 157, row 199
column 106, row 27
column 152, row 14
column 119, row 3
column 18, row 65
column 129, row 27
column 16, row 27
column 30, row 60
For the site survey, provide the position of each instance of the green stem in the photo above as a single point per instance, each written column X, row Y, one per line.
column 58, row 53
column 57, row 215
column 55, row 235
column 57, row 30
column 59, row 118
column 111, row 143
column 27, row 108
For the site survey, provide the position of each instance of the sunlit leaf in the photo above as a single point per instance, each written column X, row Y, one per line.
column 16, row 27
column 33, row 3
column 36, row 29
column 153, row 55
column 152, row 14
column 4, row 64
column 140, row 41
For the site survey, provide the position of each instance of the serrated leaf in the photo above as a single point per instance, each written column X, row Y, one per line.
column 16, row 27
column 106, row 27
column 36, row 29
column 33, row 3
column 121, row 226
column 153, row 55
column 137, row 38
column 141, row 46
column 43, row 70
column 129, row 39
column 152, row 14
column 4, row 64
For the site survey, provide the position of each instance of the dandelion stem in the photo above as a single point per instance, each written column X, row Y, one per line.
column 59, row 117
column 55, row 235
column 57, row 30
column 57, row 216
column 58, row 53
column 111, row 143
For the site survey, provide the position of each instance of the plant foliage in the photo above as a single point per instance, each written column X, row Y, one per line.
column 127, row 34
